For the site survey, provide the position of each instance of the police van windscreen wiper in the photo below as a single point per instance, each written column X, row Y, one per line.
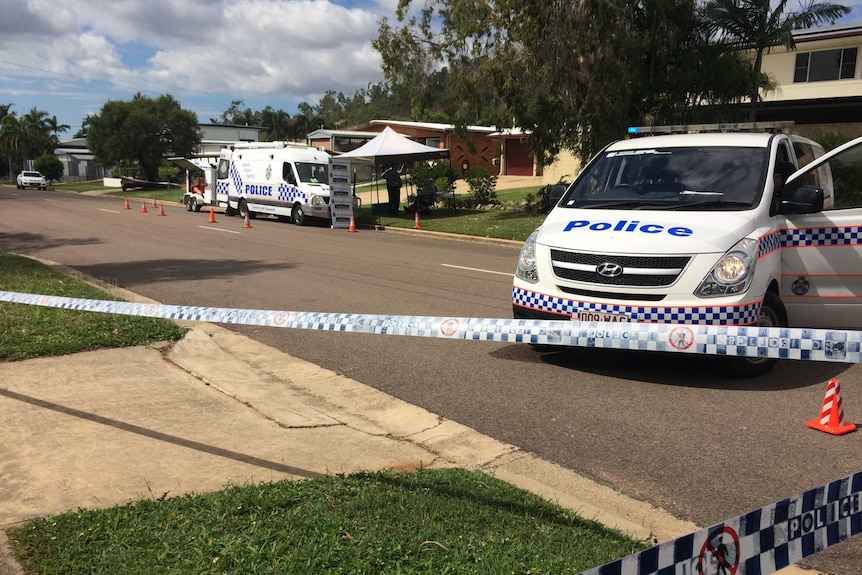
column 630, row 205
column 714, row 204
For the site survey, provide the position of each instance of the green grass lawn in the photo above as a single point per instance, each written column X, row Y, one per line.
column 33, row 331
column 418, row 522
column 507, row 224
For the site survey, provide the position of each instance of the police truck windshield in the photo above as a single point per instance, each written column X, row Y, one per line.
column 312, row 173
column 728, row 178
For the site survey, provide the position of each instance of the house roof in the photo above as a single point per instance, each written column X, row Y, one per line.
column 827, row 32
column 324, row 133
column 433, row 126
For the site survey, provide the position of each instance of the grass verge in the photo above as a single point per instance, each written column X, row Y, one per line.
column 500, row 224
column 419, row 522
column 28, row 331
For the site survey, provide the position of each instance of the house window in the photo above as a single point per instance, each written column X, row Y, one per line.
column 825, row 65
column 433, row 142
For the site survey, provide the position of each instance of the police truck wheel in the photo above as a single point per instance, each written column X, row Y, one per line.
column 190, row 204
column 297, row 216
column 772, row 314
column 242, row 208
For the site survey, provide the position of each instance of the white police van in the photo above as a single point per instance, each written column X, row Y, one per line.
column 687, row 228
column 284, row 179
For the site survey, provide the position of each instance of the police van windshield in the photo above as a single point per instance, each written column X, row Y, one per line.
column 312, row 173
column 727, row 178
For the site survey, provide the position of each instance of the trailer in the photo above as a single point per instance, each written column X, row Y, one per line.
column 200, row 189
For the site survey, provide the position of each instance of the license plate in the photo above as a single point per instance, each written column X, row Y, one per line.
column 600, row 316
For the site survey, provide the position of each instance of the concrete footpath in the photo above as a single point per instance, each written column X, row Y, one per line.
column 102, row 428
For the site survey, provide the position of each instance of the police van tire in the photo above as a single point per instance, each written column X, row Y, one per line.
column 297, row 216
column 243, row 210
column 772, row 314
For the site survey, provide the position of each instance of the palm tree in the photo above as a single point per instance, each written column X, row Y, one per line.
column 55, row 128
column 17, row 136
column 758, row 25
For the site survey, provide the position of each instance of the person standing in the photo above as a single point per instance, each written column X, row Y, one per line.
column 393, row 187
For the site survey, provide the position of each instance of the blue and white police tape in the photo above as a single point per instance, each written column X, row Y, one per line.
column 756, row 543
column 748, row 341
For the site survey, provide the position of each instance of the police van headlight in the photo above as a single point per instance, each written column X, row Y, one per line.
column 317, row 200
column 733, row 272
column 527, row 269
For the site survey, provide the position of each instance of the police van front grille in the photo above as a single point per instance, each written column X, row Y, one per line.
column 643, row 271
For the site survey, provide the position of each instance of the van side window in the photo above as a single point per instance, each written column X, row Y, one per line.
column 223, row 169
column 805, row 154
column 287, row 173
column 846, row 175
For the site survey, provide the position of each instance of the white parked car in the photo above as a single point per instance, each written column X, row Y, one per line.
column 32, row 180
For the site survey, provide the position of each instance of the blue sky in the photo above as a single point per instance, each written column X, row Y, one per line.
column 68, row 58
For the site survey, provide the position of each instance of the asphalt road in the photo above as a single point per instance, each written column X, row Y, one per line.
column 671, row 430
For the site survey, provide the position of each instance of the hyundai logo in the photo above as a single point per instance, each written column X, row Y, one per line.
column 609, row 269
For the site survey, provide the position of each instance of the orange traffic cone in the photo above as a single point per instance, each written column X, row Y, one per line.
column 127, row 204
column 155, row 205
column 212, row 216
column 832, row 413
column 162, row 209
column 416, row 223
column 246, row 223
column 352, row 227
column 143, row 206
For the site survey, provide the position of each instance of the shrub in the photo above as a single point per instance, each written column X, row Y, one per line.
column 50, row 167
column 482, row 185
column 443, row 174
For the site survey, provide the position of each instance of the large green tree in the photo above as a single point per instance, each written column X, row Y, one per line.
column 143, row 131
column 575, row 74
column 758, row 25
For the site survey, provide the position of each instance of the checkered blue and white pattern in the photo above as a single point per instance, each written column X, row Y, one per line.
column 808, row 237
column 759, row 542
column 291, row 194
column 744, row 341
column 716, row 315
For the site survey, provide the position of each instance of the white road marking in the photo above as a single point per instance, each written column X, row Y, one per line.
column 477, row 270
column 109, row 211
column 219, row 230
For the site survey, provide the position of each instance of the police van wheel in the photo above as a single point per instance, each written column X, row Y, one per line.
column 772, row 314
column 243, row 210
column 297, row 216
column 190, row 204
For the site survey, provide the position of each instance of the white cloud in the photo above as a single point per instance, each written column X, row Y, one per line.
column 203, row 52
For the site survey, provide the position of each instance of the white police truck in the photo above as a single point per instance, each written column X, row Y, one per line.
column 695, row 228
column 283, row 179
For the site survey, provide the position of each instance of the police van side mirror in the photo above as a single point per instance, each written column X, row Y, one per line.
column 802, row 200
column 555, row 194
